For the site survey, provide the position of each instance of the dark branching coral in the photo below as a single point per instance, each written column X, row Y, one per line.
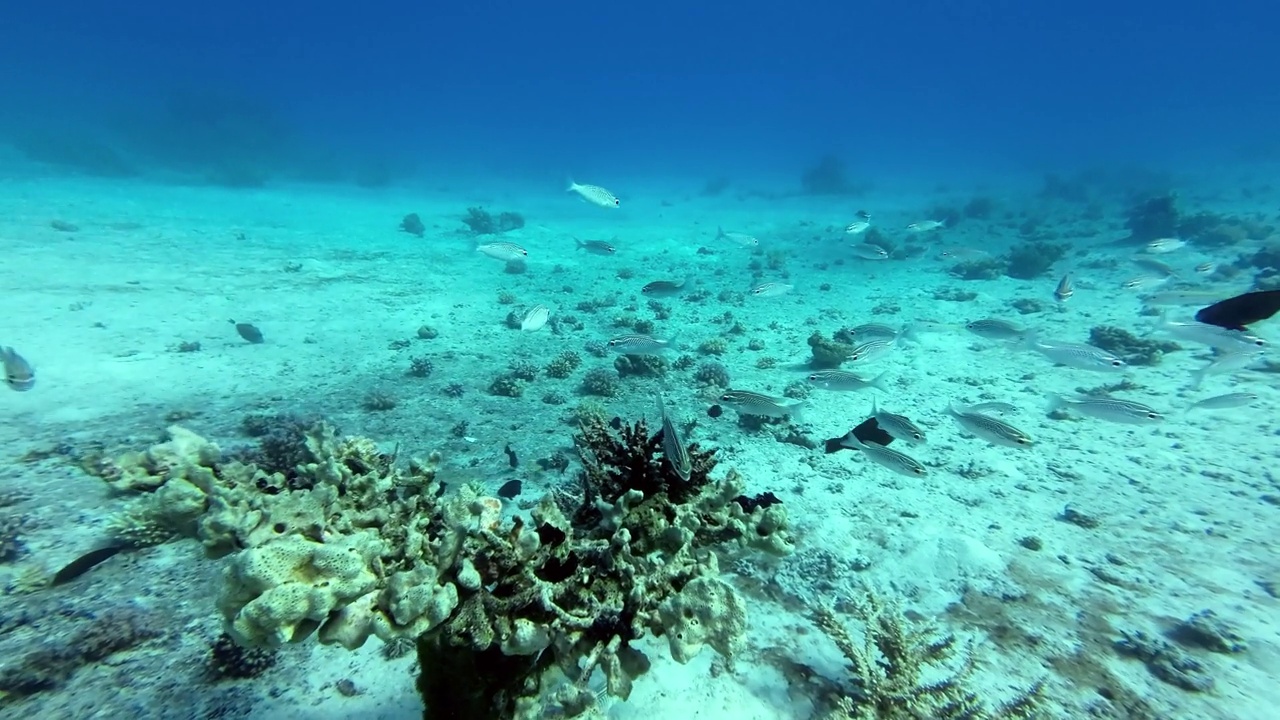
column 902, row 672
column 1030, row 260
column 228, row 660
column 1153, row 218
column 633, row 460
column 1130, row 348
column 482, row 222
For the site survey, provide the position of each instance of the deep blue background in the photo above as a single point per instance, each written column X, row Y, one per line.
column 661, row 88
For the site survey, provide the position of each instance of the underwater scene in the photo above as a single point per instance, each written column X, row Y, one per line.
column 714, row 361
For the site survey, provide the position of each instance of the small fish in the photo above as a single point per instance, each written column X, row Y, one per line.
column 1144, row 282
column 1165, row 245
column 869, row 251
column 857, row 228
column 1155, row 266
column 535, row 319
column 673, row 446
column 845, row 381
column 595, row 247
column 737, row 238
column 999, row 408
column 1076, row 355
column 985, row 427
column 867, row 331
column 1065, row 289
column 771, row 289
column 1226, row 363
column 996, row 329
column 510, row 489
column 868, row 431
column 639, row 345
column 506, row 251
column 1223, row 402
column 1105, row 408
column 1211, row 335
column 887, row 457
column 18, row 373
column 663, row 288
column 512, row 459
column 753, row 403
column 872, row 350
column 899, row 426
column 863, row 215
column 963, row 253
column 1242, row 310
column 594, row 194
column 1206, row 268
column 1182, row 297
column 249, row 333
column 925, row 226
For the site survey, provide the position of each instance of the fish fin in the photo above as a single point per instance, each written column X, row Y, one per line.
column 837, row 444
column 797, row 411
column 877, row 382
column 573, row 186
column 908, row 332
column 719, row 232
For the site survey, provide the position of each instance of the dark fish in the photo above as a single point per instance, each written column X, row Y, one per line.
column 662, row 288
column 1242, row 310
column 248, row 332
column 511, row 456
column 510, row 489
column 868, row 432
column 616, row 423
column 762, row 501
column 412, row 224
column 864, row 215
column 715, row 411
column 85, row 563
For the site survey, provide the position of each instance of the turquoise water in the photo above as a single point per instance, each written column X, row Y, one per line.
column 210, row 261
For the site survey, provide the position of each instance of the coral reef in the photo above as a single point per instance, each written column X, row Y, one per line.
column 1030, row 260
column 1205, row 629
column 904, row 672
column 482, row 222
column 712, row 374
column 538, row 605
column 412, row 224
column 1153, row 218
column 564, row 364
column 1128, row 347
column 420, row 366
column 1165, row 661
column 506, row 386
column 642, row 365
column 426, row 332
column 600, row 382
column 987, row 268
column 11, row 546
column 828, row 353
column 228, row 660
column 61, row 654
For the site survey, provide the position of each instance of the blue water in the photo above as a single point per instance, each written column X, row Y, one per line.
column 656, row 88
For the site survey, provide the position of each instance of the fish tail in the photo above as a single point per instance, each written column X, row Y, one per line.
column 877, row 382
column 571, row 185
column 1197, row 377
column 908, row 332
column 798, row 410
column 1056, row 402
column 719, row 232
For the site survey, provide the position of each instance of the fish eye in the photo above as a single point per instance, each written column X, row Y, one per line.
column 613, row 342
column 813, row 377
column 1153, row 415
column 1117, row 363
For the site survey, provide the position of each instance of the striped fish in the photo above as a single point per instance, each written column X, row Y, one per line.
column 594, row 194
column 639, row 345
column 985, row 427
column 899, row 426
column 845, row 381
column 900, row 463
column 503, row 251
column 1065, row 289
column 673, row 446
column 1106, row 408
column 753, row 403
column 1223, row 402
column 771, row 289
column 872, row 349
column 535, row 319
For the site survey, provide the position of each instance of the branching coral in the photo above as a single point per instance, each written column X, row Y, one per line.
column 907, row 673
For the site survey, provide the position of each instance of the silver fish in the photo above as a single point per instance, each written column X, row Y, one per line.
column 1105, row 408
column 900, row 463
column 596, row 247
column 1206, row 268
column 1211, row 335
column 1065, row 289
column 995, row 406
column 1222, row 402
column 858, row 227
column 535, row 319
column 925, row 226
column 1155, row 266
column 594, row 194
column 963, row 253
column 771, row 289
column 1076, row 355
column 639, row 345
column 753, row 403
column 845, row 381
column 870, row 251
column 899, row 427
column 737, row 238
column 1145, row 282
column 1226, row 363
column 1165, row 245
column 995, row 329
column 673, row 446
column 985, row 427
column 866, row 331
column 503, row 251
column 872, row 350
column 18, row 373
